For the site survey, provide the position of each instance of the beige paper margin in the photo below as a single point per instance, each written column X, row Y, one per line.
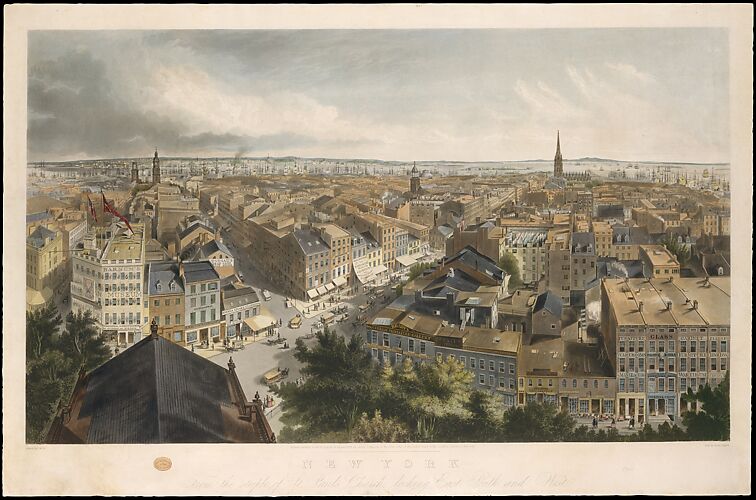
column 661, row 468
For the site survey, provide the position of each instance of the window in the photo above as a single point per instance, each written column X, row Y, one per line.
column 652, row 364
column 194, row 302
column 585, row 384
column 178, row 320
column 631, row 364
column 651, row 345
column 203, row 287
column 622, row 346
column 641, row 345
column 167, row 320
column 472, row 362
column 203, row 316
column 463, row 360
column 692, row 346
column 194, row 289
column 491, row 366
column 482, row 379
column 671, row 346
column 540, row 382
column 683, row 345
column 713, row 347
column 631, row 345
column 702, row 345
column 511, row 368
column 692, row 364
column 502, row 367
column 641, row 383
column 641, row 362
column 564, row 383
column 385, row 340
column 661, row 346
column 723, row 364
column 683, row 384
column 595, row 384
column 203, row 300
column 422, row 347
column 212, row 299
column 212, row 314
column 491, row 380
column 157, row 303
column 511, row 383
column 713, row 364
column 631, row 387
column 574, row 383
column 622, row 364
column 723, row 346
column 661, row 385
column 683, row 364
column 702, row 364
column 622, row 384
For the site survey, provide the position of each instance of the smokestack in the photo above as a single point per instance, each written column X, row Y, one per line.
column 669, row 305
column 640, row 306
column 695, row 304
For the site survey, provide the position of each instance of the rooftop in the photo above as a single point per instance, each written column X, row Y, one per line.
column 166, row 275
column 691, row 301
column 159, row 392
column 199, row 271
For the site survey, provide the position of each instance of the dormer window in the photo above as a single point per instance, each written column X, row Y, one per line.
column 158, row 285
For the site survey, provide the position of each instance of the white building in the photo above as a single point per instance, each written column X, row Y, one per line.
column 107, row 281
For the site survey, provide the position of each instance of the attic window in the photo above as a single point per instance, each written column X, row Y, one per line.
column 497, row 339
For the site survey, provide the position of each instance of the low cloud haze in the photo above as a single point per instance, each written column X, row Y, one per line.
column 633, row 94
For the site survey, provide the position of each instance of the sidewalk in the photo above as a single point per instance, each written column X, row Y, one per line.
column 307, row 309
column 209, row 352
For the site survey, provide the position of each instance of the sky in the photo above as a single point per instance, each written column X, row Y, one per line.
column 458, row 95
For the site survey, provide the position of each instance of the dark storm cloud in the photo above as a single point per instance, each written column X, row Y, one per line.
column 73, row 109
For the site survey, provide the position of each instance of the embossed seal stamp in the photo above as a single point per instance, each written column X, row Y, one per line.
column 162, row 463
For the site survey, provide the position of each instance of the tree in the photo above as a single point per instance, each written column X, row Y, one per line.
column 426, row 396
column 341, row 384
column 41, row 331
column 537, row 422
column 417, row 270
column 379, row 430
column 712, row 423
column 682, row 252
column 511, row 266
column 82, row 342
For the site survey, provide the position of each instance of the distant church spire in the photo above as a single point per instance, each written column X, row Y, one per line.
column 558, row 169
column 156, row 168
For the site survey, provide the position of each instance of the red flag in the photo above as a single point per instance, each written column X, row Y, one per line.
column 107, row 208
column 91, row 208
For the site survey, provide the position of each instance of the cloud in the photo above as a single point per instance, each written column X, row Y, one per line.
column 630, row 71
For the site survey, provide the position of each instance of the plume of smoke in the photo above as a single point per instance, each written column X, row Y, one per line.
column 618, row 268
column 593, row 310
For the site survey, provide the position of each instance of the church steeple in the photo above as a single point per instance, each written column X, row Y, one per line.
column 156, row 168
column 558, row 169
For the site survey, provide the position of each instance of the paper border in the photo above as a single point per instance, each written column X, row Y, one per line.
column 591, row 468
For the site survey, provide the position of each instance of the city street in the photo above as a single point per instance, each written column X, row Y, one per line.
column 259, row 357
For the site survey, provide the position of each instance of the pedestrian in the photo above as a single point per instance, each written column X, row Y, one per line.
column 192, row 347
column 595, row 422
column 613, row 421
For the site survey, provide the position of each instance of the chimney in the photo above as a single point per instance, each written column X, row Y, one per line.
column 640, row 306
column 695, row 304
column 669, row 305
column 153, row 329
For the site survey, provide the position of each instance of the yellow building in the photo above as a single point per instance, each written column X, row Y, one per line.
column 44, row 262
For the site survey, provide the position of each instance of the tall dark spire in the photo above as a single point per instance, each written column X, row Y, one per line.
column 558, row 169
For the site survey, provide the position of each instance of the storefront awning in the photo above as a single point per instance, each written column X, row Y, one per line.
column 363, row 272
column 322, row 290
column 259, row 322
column 330, row 286
column 312, row 293
column 406, row 260
column 380, row 269
column 340, row 281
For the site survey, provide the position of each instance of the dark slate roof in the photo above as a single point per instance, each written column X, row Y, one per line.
column 550, row 302
column 310, row 242
column 35, row 217
column 445, row 230
column 214, row 246
column 369, row 239
column 320, row 201
column 444, row 284
column 199, row 271
column 238, row 297
column 164, row 273
column 476, row 260
column 157, row 392
column 197, row 225
column 40, row 236
column 396, row 203
column 580, row 242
